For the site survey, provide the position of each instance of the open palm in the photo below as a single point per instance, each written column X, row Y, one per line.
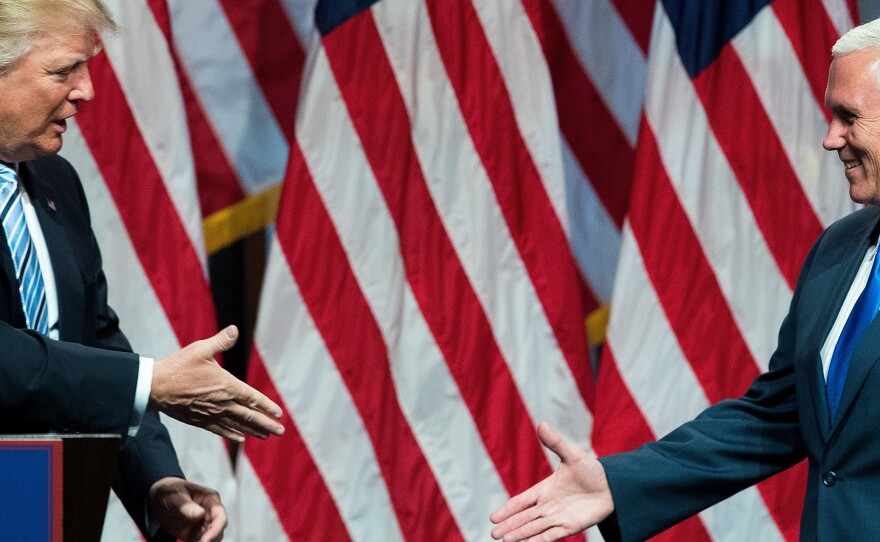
column 568, row 501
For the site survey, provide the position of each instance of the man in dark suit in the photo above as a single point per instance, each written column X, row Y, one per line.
column 820, row 398
column 64, row 364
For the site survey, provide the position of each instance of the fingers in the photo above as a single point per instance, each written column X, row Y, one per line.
column 252, row 422
column 245, row 395
column 526, row 529
column 211, row 346
column 191, row 387
column 238, row 420
column 550, row 438
column 532, row 524
column 515, row 505
column 182, row 501
column 224, row 340
column 171, row 503
column 254, row 400
column 224, row 431
column 510, row 520
column 536, row 523
column 553, row 442
column 192, row 511
column 188, row 511
column 215, row 519
column 257, row 401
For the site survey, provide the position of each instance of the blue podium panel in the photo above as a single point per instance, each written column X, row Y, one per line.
column 31, row 490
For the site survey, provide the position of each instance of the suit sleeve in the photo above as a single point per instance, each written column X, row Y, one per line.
column 730, row 446
column 52, row 385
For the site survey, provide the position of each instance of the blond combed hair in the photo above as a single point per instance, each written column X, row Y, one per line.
column 21, row 20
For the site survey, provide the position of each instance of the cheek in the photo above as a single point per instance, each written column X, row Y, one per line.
column 30, row 114
column 39, row 118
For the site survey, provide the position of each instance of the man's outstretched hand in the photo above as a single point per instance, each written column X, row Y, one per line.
column 191, row 387
column 570, row 500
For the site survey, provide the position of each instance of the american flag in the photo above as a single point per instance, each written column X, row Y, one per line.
column 460, row 179
column 425, row 300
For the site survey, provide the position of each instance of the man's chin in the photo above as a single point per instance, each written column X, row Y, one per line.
column 861, row 195
column 47, row 149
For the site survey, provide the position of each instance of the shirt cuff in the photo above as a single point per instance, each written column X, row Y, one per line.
column 141, row 394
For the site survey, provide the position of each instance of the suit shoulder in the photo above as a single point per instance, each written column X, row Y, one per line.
column 54, row 166
column 848, row 234
column 55, row 178
column 863, row 219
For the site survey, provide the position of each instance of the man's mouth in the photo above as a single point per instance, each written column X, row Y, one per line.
column 850, row 164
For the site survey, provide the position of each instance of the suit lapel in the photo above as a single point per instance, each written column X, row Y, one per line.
column 10, row 299
column 864, row 357
column 65, row 270
column 866, row 352
column 830, row 280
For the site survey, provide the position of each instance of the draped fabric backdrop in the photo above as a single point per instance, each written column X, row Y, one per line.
column 463, row 188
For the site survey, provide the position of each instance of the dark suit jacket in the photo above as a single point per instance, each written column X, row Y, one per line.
column 86, row 380
column 780, row 420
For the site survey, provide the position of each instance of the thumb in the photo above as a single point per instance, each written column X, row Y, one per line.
column 192, row 511
column 224, row 340
column 552, row 441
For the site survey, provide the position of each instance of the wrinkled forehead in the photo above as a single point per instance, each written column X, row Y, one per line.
column 856, row 65
column 854, row 76
column 82, row 39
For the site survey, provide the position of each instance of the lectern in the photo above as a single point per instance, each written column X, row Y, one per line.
column 55, row 487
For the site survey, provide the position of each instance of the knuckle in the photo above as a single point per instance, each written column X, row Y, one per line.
column 250, row 416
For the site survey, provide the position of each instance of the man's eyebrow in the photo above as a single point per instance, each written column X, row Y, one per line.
column 66, row 65
column 842, row 110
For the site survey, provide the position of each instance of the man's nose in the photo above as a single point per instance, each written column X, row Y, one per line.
column 834, row 139
column 83, row 91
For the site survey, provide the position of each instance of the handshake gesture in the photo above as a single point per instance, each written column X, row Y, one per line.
column 570, row 500
column 192, row 388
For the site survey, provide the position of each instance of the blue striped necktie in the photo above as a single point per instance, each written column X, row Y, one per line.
column 24, row 255
column 863, row 313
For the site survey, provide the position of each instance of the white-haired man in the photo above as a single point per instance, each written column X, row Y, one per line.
column 64, row 363
column 819, row 400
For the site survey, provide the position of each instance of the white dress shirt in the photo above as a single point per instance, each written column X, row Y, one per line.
column 855, row 290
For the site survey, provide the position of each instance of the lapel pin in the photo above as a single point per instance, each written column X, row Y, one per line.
column 51, row 204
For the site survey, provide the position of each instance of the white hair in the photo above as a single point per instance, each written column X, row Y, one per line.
column 862, row 37
column 20, row 20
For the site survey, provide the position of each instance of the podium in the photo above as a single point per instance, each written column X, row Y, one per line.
column 55, row 487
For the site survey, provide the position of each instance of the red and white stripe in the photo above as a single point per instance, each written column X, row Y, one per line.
column 243, row 61
column 596, row 53
column 424, row 295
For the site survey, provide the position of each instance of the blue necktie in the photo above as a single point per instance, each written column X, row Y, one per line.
column 860, row 318
column 24, row 255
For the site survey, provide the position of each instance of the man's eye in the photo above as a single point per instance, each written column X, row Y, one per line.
column 64, row 73
column 847, row 118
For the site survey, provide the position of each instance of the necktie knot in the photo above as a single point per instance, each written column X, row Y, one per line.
column 8, row 175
